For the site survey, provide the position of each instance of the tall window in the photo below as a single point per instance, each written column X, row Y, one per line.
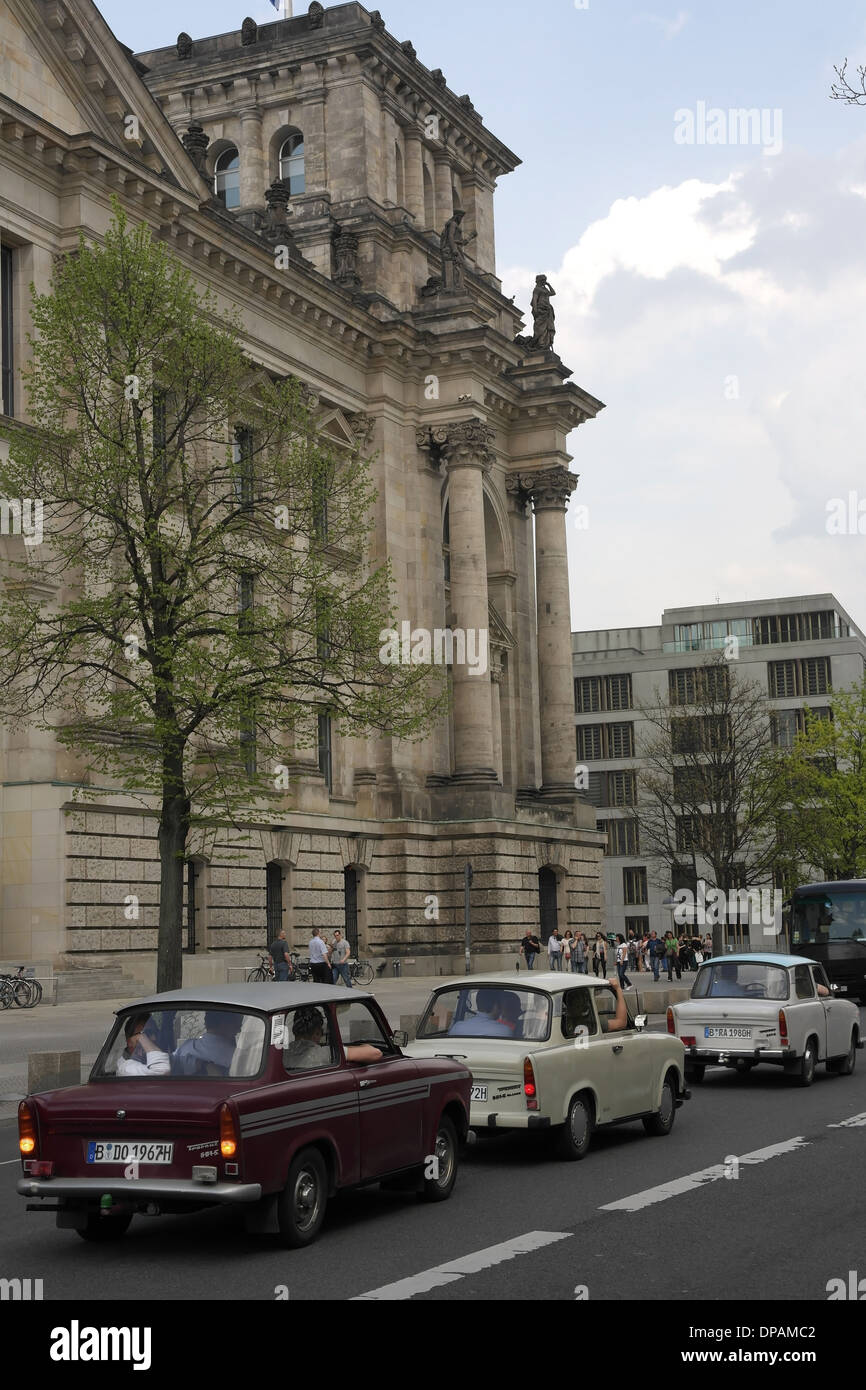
column 227, row 178
column 246, row 598
column 248, row 739
column 594, row 693
column 292, row 163
column 634, row 887
column 242, row 452
column 6, row 358
column 274, row 899
column 325, row 759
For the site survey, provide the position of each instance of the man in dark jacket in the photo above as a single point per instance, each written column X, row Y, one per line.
column 279, row 952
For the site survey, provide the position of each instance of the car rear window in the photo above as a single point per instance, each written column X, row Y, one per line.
column 487, row 1011
column 741, row 980
column 183, row 1042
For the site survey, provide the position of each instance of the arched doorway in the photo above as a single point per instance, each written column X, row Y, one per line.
column 351, row 884
column 548, row 902
column 274, row 899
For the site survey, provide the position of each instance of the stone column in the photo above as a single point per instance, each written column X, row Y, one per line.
column 551, row 489
column 524, row 666
column 254, row 177
column 496, row 711
column 444, row 191
column 414, row 174
column 469, row 458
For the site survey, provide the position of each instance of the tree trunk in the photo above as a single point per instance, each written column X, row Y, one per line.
column 173, row 830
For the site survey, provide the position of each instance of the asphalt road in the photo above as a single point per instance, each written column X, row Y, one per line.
column 638, row 1218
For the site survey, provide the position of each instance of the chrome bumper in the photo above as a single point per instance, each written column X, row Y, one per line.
column 142, row 1189
column 735, row 1054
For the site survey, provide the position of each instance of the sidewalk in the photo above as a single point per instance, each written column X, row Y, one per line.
column 83, row 1026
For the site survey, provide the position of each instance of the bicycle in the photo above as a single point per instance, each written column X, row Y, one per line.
column 261, row 972
column 19, row 990
column 361, row 971
column 300, row 969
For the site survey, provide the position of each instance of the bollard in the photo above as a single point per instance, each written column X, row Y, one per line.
column 51, row 1071
column 396, row 967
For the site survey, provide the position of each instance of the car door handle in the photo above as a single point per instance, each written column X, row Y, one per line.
column 367, row 1083
column 617, row 1049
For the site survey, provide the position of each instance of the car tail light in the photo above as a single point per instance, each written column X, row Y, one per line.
column 688, row 1042
column 529, row 1088
column 27, row 1136
column 228, row 1132
column 671, row 1028
column 783, row 1026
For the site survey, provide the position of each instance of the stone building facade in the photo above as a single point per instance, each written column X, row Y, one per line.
column 304, row 172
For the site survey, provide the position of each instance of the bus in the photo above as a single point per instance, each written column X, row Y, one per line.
column 827, row 923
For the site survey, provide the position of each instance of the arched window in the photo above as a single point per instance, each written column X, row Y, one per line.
column 292, row 163
column 227, row 178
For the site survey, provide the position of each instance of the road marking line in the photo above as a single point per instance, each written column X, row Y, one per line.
column 852, row 1123
column 5, row 1161
column 691, row 1181
column 453, row 1270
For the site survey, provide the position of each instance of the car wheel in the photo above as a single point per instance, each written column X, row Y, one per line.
column 439, row 1187
column 694, row 1073
column 575, row 1135
column 844, row 1066
column 662, row 1122
column 104, row 1228
column 302, row 1203
column 805, row 1070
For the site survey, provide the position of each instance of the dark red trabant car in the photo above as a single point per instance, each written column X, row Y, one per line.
column 269, row 1096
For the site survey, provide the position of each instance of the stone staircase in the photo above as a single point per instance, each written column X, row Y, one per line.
column 103, row 982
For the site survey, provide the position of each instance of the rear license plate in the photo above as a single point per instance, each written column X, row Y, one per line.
column 128, row 1151
column 743, row 1034
column 478, row 1093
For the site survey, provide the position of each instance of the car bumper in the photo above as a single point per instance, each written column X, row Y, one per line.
column 721, row 1055
column 135, row 1190
column 505, row 1119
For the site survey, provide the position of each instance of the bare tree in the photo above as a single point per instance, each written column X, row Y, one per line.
column 843, row 90
column 707, row 800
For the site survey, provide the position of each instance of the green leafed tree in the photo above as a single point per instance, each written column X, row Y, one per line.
column 206, row 587
column 822, row 784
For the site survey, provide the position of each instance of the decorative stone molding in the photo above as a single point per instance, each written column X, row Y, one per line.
column 195, row 142
column 377, row 21
column 550, row 488
column 519, row 493
column 249, row 32
column 184, row 46
column 362, row 426
column 409, row 50
column 345, row 246
column 357, row 851
column 470, row 442
column 435, row 444
column 439, row 77
column 316, row 15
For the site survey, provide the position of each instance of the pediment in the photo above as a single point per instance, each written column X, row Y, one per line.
column 336, row 427
column 60, row 62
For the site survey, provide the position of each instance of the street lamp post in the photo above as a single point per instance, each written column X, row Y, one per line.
column 467, row 883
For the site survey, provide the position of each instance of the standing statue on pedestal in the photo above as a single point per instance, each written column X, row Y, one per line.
column 452, row 244
column 544, row 318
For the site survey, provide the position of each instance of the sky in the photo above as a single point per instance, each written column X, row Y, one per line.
column 710, row 272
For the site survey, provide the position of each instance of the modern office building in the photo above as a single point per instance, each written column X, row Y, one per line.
column 797, row 649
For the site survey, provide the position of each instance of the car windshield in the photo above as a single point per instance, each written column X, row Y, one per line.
column 181, row 1042
column 487, row 1011
column 741, row 980
column 819, row 917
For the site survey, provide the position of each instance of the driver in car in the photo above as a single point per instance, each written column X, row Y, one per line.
column 142, row 1056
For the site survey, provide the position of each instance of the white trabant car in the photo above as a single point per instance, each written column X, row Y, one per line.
column 756, row 1007
column 543, row 1055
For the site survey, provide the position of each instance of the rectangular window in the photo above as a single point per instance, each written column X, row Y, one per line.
column 620, row 740
column 782, row 676
column 784, row 726
column 623, row 789
column 634, row 887
column 688, row 833
column 589, row 743
column 242, row 452
column 637, row 926
column 325, row 759
column 617, row 692
column 685, row 735
column 587, row 694
column 623, row 837
column 681, row 686
column 596, row 792
column 246, row 598
column 816, row 675
column 7, row 362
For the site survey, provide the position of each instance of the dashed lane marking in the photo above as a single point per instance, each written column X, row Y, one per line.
column 854, row 1122
column 691, row 1181
column 453, row 1270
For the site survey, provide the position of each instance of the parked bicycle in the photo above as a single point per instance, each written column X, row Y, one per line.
column 300, row 970
column 361, row 971
column 261, row 972
column 20, row 990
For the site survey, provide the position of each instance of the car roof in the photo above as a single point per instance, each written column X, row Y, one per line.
column 848, row 885
column 760, row 958
column 268, row 997
column 553, row 981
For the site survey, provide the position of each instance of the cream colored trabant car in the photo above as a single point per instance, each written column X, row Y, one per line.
column 541, row 1056
column 757, row 1007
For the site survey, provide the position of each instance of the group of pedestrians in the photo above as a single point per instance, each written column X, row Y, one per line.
column 329, row 959
column 580, row 954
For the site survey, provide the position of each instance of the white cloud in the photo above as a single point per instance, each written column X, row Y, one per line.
column 669, row 27
column 693, row 486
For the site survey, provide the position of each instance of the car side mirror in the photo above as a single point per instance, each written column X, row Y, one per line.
column 400, row 1036
column 641, row 1021
column 834, row 989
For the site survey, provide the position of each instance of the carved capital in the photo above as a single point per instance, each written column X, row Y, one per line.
column 435, row 444
column 550, row 488
column 362, row 427
column 519, row 493
column 470, row 442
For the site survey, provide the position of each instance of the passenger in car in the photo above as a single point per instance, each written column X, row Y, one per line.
column 485, row 1022
column 308, row 1050
column 210, row 1054
column 142, row 1056
column 509, row 1013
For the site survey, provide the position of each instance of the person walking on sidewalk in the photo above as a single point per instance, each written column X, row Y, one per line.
column 320, row 959
column 567, row 948
column 622, row 961
column 578, row 955
column 554, row 950
column 656, row 954
column 279, row 953
column 672, row 956
column 340, row 952
column 529, row 948
column 599, row 955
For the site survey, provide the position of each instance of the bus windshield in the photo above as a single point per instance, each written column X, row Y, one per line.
column 828, row 916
